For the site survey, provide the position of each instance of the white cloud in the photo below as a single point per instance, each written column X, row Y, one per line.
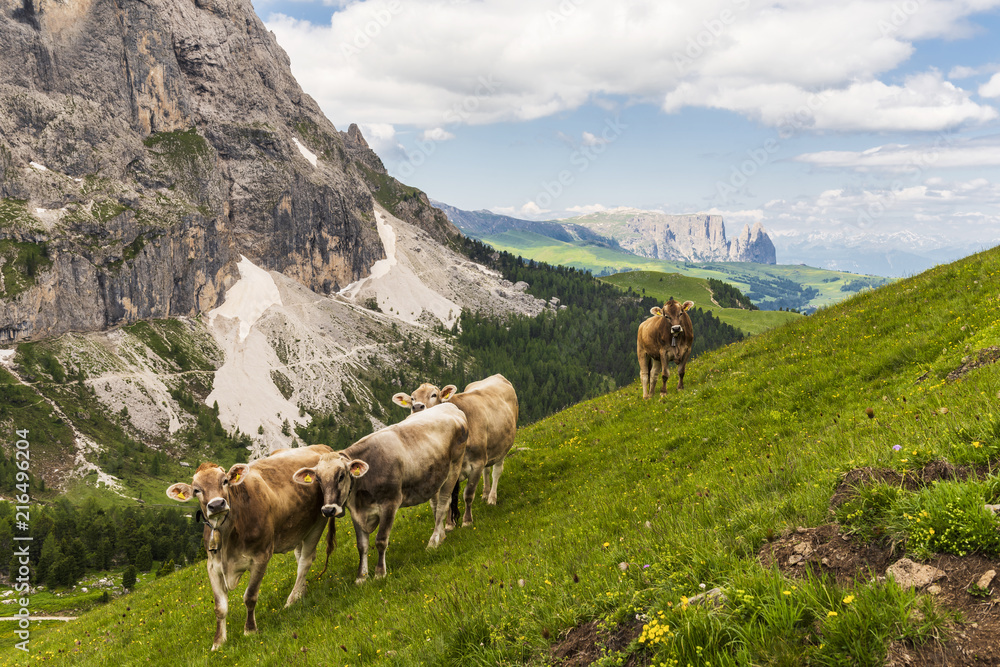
column 991, row 88
column 528, row 211
column 436, row 134
column 432, row 64
column 587, row 209
column 593, row 140
column 968, row 210
column 944, row 152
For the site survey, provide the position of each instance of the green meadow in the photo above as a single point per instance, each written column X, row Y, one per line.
column 663, row 286
column 744, row 275
column 620, row 509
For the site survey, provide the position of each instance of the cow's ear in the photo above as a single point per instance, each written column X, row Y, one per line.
column 358, row 468
column 403, row 400
column 448, row 392
column 237, row 473
column 687, row 304
column 180, row 492
column 304, row 476
column 656, row 310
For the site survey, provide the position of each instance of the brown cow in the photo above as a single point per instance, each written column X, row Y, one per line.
column 667, row 335
column 252, row 512
column 409, row 463
column 491, row 407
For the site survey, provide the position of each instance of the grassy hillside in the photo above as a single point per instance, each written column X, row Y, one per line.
column 621, row 507
column 808, row 287
column 662, row 286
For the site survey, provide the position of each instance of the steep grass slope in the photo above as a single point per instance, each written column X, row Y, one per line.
column 662, row 286
column 619, row 506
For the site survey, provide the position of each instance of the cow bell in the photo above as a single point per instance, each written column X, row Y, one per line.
column 673, row 341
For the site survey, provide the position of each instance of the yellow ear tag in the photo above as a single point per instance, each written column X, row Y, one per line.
column 308, row 479
column 237, row 478
column 180, row 494
column 355, row 470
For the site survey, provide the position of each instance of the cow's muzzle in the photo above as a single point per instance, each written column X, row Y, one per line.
column 676, row 329
column 417, row 407
column 217, row 505
column 336, row 511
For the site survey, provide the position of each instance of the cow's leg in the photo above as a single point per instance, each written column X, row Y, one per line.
column 220, row 592
column 382, row 538
column 257, row 571
column 654, row 374
column 442, row 505
column 644, row 373
column 486, row 481
column 362, row 536
column 470, row 494
column 497, row 471
column 680, row 374
column 453, row 507
column 665, row 372
column 305, row 554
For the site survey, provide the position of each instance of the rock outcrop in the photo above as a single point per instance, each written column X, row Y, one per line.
column 145, row 146
column 693, row 238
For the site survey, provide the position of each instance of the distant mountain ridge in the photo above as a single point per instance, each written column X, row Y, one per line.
column 482, row 223
column 689, row 238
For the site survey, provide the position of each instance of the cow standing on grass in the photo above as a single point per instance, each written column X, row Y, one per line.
column 491, row 407
column 409, row 463
column 252, row 512
column 667, row 335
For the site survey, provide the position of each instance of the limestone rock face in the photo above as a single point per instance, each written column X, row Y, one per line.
column 697, row 238
column 146, row 146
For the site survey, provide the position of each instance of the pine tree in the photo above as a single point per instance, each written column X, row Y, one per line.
column 128, row 578
column 144, row 559
column 165, row 569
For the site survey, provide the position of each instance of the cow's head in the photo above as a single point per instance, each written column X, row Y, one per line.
column 335, row 475
column 674, row 313
column 211, row 486
column 426, row 396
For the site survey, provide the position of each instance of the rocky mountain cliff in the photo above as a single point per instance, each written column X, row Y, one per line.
column 689, row 238
column 146, row 146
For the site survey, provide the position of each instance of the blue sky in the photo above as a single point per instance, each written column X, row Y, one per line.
column 821, row 120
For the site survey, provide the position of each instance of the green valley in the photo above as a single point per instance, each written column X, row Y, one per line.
column 770, row 286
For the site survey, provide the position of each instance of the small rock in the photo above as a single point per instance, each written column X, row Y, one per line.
column 803, row 548
column 986, row 579
column 825, row 561
column 993, row 508
column 800, row 530
column 715, row 596
column 794, row 559
column 907, row 573
column 934, row 589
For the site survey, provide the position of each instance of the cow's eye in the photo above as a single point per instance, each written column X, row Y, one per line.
column 197, row 492
column 434, row 395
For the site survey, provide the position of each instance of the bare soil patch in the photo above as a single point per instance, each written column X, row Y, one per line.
column 982, row 358
column 586, row 643
column 975, row 640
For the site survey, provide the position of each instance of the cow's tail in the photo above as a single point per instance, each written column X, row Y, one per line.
column 331, row 543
